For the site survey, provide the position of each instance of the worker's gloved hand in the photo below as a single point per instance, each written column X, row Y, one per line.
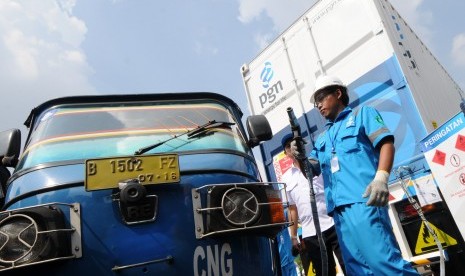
column 378, row 189
column 298, row 148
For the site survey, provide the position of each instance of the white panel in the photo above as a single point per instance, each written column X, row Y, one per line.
column 269, row 81
column 279, row 119
column 436, row 94
column 339, row 25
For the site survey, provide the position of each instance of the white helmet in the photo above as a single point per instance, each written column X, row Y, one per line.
column 324, row 81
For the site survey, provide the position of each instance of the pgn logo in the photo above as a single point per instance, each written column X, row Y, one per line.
column 272, row 89
column 266, row 75
column 270, row 95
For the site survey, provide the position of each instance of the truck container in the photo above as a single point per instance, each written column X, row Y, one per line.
column 154, row 184
column 369, row 46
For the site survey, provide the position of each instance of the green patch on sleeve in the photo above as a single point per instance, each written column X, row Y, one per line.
column 379, row 119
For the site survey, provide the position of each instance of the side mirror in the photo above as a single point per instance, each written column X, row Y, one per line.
column 10, row 146
column 259, row 130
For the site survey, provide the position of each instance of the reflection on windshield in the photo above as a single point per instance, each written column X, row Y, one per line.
column 76, row 132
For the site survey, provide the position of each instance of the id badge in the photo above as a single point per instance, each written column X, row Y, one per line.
column 334, row 164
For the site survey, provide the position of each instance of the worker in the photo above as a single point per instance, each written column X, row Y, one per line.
column 356, row 153
column 298, row 195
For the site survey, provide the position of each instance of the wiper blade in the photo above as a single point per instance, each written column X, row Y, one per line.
column 202, row 129
column 190, row 134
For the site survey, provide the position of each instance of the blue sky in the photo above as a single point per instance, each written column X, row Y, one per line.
column 54, row 48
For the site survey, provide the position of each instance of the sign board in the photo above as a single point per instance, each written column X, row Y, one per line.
column 426, row 243
column 444, row 150
column 281, row 164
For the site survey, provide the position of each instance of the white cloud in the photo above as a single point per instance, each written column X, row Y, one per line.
column 66, row 5
column 41, row 56
column 250, row 10
column 23, row 55
column 74, row 57
column 282, row 13
column 263, row 40
column 458, row 49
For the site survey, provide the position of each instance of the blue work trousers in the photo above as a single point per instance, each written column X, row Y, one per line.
column 367, row 242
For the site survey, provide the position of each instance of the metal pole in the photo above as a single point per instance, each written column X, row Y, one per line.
column 305, row 166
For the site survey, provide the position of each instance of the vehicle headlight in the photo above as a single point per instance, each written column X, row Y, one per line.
column 18, row 236
column 252, row 208
column 240, row 206
column 34, row 234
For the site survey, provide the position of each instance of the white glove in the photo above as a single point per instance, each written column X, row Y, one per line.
column 378, row 190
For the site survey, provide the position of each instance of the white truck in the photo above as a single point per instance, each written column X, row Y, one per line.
column 372, row 49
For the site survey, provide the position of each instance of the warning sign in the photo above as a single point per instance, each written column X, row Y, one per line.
column 460, row 144
column 444, row 150
column 439, row 157
column 391, row 197
column 426, row 242
column 311, row 270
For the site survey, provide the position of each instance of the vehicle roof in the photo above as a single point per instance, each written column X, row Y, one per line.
column 130, row 98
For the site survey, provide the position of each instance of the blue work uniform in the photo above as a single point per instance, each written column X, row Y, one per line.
column 349, row 160
column 288, row 267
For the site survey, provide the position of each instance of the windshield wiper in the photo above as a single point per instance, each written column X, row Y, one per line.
column 202, row 129
column 195, row 132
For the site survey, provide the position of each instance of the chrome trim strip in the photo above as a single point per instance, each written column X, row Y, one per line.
column 168, row 259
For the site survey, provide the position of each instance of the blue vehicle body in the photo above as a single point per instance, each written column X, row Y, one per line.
column 185, row 226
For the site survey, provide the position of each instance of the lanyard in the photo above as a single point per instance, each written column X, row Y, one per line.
column 333, row 140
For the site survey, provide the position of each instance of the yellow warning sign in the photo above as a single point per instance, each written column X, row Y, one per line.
column 426, row 243
column 311, row 270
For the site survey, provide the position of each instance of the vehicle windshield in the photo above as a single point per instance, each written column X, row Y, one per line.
column 86, row 131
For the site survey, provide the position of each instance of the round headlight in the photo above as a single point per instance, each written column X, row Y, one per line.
column 18, row 237
column 21, row 240
column 240, row 206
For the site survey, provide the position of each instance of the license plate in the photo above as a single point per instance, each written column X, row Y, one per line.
column 106, row 173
